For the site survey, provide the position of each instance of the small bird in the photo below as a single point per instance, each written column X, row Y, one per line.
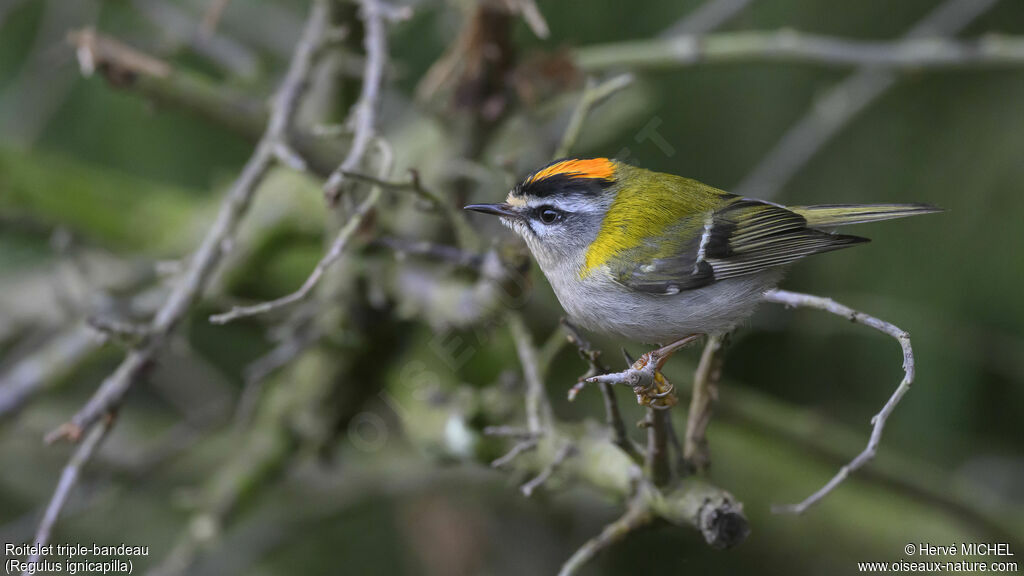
column 655, row 257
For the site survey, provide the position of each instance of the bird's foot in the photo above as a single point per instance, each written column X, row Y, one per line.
column 651, row 387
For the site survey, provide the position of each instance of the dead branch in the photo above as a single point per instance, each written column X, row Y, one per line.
column 565, row 452
column 704, row 394
column 364, row 112
column 637, row 515
column 68, row 478
column 713, row 512
column 190, row 286
column 333, row 254
column 613, row 416
column 795, row 299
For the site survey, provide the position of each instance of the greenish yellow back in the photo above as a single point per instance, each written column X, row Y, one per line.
column 647, row 205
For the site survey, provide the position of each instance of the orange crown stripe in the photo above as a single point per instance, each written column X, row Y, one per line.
column 592, row 168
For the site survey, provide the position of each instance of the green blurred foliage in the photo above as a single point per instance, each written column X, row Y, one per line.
column 140, row 181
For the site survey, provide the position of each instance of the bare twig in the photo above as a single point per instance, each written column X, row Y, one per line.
column 364, row 112
column 68, row 478
column 524, row 445
column 333, row 254
column 638, row 514
column 794, row 299
column 611, row 406
column 121, row 331
column 703, row 395
column 289, row 348
column 508, row 432
column 209, row 254
column 538, row 410
column 565, row 452
column 444, row 253
column 93, row 49
column 593, row 94
column 840, row 104
column 793, row 46
column 464, row 233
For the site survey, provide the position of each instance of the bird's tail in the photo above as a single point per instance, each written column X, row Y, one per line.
column 842, row 214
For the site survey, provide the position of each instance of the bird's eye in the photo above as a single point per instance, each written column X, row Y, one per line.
column 548, row 215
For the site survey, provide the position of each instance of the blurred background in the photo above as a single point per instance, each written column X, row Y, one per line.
column 346, row 434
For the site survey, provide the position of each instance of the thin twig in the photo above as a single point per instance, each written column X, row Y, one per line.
column 441, row 252
column 794, row 299
column 611, row 406
column 68, row 478
column 525, row 445
column 703, row 395
column 508, row 432
column 121, row 331
column 637, row 515
column 364, row 112
column 801, row 47
column 206, row 258
column 565, row 452
column 257, row 372
column 333, row 254
column 538, row 410
column 464, row 233
column 593, row 94
column 841, row 103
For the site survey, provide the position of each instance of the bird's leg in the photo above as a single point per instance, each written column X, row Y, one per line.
column 644, row 376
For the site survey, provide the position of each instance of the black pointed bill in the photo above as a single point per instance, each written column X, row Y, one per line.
column 494, row 209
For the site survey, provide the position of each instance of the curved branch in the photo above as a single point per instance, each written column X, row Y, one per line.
column 795, row 299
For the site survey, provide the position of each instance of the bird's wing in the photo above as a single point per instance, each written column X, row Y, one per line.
column 741, row 237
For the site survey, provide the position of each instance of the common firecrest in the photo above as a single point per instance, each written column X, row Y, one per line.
column 654, row 257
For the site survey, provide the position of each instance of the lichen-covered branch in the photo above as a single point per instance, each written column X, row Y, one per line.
column 200, row 268
column 636, row 516
column 203, row 263
column 712, row 511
